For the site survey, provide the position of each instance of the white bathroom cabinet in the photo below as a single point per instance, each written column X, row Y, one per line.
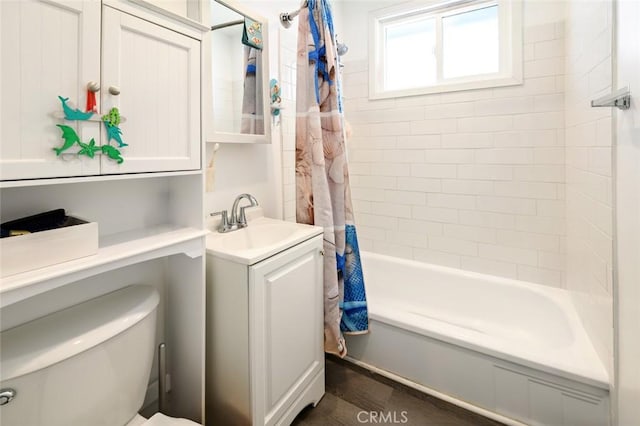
column 158, row 73
column 55, row 47
column 149, row 209
column 265, row 359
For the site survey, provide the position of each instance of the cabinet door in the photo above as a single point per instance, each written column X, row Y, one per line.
column 157, row 71
column 48, row 48
column 286, row 328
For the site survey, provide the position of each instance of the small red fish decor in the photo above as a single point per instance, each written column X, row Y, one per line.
column 111, row 122
column 92, row 88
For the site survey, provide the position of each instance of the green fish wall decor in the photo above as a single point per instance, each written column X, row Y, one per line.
column 111, row 122
column 112, row 117
column 70, row 138
column 73, row 114
column 88, row 149
column 114, row 132
column 112, row 153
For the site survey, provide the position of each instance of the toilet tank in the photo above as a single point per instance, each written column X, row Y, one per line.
column 87, row 365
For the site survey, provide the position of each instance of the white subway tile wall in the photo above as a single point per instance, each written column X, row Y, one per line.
column 471, row 179
column 287, row 54
column 589, row 207
column 512, row 181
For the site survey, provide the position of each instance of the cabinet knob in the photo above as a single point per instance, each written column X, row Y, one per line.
column 322, row 252
column 6, row 395
column 114, row 90
column 93, row 86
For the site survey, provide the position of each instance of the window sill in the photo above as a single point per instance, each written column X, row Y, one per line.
column 446, row 88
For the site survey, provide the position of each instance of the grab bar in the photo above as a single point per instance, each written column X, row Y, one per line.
column 620, row 98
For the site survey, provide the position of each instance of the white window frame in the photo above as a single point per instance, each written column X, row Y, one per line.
column 510, row 30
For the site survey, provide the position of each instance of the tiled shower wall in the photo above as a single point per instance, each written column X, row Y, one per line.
column 288, row 41
column 588, row 170
column 472, row 179
column 477, row 179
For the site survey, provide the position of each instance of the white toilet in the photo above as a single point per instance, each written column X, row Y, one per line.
column 87, row 365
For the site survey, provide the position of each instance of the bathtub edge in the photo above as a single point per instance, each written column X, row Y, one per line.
column 429, row 391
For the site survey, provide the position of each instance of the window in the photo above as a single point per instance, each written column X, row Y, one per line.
column 425, row 47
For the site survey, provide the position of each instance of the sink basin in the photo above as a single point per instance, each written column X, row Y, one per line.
column 258, row 235
column 262, row 238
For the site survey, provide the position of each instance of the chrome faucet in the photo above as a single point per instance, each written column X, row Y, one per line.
column 238, row 220
column 241, row 219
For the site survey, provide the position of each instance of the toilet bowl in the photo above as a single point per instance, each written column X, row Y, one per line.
column 85, row 365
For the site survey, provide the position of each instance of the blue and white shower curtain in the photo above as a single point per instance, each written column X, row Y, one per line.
column 322, row 177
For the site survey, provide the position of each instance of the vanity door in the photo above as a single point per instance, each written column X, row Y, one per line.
column 48, row 48
column 286, row 328
column 152, row 74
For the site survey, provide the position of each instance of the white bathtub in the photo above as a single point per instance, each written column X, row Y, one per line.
column 507, row 349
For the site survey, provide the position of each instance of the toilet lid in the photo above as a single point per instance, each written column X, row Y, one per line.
column 160, row 419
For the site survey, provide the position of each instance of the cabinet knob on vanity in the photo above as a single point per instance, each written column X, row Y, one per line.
column 93, row 86
column 114, row 90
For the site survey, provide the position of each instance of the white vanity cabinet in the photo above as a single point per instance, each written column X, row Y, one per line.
column 265, row 359
column 54, row 48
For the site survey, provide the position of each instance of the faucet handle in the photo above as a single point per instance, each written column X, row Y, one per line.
column 224, row 224
column 242, row 218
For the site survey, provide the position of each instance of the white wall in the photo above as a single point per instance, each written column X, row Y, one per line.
column 471, row 179
column 288, row 47
column 588, row 170
column 537, row 12
column 477, row 179
column 627, row 196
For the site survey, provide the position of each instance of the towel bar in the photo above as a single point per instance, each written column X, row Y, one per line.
column 620, row 98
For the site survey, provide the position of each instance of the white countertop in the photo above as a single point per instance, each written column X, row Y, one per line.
column 262, row 238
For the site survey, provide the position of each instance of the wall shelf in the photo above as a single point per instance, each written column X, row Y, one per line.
column 97, row 178
column 116, row 251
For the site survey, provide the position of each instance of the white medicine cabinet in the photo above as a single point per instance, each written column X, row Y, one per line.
column 236, row 79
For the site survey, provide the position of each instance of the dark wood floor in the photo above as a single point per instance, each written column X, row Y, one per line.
column 355, row 396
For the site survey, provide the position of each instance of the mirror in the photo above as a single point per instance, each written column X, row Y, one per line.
column 239, row 75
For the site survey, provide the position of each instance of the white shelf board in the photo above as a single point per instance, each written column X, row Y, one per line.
column 116, row 251
column 97, row 178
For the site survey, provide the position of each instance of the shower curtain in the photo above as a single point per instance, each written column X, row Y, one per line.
column 323, row 195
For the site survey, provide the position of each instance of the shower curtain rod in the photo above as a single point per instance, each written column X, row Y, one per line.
column 287, row 18
column 227, row 24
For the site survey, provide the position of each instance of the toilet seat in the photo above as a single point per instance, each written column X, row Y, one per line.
column 160, row 419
